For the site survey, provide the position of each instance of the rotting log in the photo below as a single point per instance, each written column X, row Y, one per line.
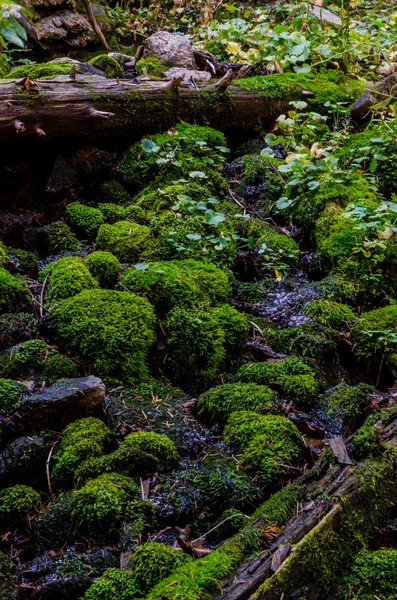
column 83, row 106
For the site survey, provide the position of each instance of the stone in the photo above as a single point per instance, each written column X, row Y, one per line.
column 176, row 50
column 188, row 74
column 23, row 461
column 326, row 16
column 64, row 29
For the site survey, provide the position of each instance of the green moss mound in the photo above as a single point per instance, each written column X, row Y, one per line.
column 331, row 86
column 104, row 267
column 153, row 561
column 83, row 439
column 3, row 254
column 112, row 212
column 8, row 576
column 308, row 340
column 199, row 341
column 16, row 504
column 114, row 584
column 278, row 247
column 375, row 333
column 158, row 445
column 129, row 242
column 112, row 330
column 13, row 292
column 40, row 71
column 191, row 146
column 110, row 65
column 23, row 261
column 173, row 283
column 36, row 360
column 217, row 404
column 4, row 66
column 270, row 444
column 113, row 192
column 98, row 505
column 329, row 313
column 61, row 238
column 154, row 67
column 84, row 220
column 68, row 276
column 373, row 575
column 10, row 394
column 345, row 402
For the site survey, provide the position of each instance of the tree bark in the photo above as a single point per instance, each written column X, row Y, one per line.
column 89, row 107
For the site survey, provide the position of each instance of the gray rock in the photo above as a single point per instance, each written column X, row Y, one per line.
column 123, row 59
column 176, row 50
column 23, row 460
column 325, row 15
column 187, row 74
column 64, row 29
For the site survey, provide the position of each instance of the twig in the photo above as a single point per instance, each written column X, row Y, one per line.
column 95, row 25
column 219, row 524
column 47, row 468
column 42, row 294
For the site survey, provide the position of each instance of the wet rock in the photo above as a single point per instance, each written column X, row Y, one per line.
column 8, row 578
column 16, row 328
column 55, row 407
column 188, row 74
column 64, row 29
column 176, row 50
column 22, row 461
column 123, row 59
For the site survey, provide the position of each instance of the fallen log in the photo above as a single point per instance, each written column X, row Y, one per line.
column 83, row 106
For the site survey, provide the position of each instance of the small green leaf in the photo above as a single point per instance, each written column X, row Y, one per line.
column 142, row 267
column 149, row 146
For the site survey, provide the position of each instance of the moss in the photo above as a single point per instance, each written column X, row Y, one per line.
column 310, row 205
column 13, row 292
column 373, row 574
column 302, row 390
column 153, row 561
column 83, row 439
column 374, row 333
column 23, row 261
column 314, row 341
column 185, row 283
column 329, row 313
column 8, row 574
column 98, row 505
column 129, row 242
column 243, row 426
column 197, row 342
column 114, row 584
column 331, row 86
column 217, row 404
column 3, row 254
column 154, row 67
column 67, row 277
column 272, row 371
column 278, row 246
column 61, row 238
column 112, row 212
column 4, row 66
column 113, row 192
column 104, row 267
column 16, row 504
column 158, row 445
column 249, row 292
column 84, row 219
column 110, row 65
column 345, row 401
column 40, row 71
column 36, row 360
column 192, row 145
column 10, row 394
column 113, row 330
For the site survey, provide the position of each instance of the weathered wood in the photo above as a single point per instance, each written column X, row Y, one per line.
column 98, row 107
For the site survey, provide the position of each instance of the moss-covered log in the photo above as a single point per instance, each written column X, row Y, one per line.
column 83, row 106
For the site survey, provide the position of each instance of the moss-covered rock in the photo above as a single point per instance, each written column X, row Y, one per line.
column 342, row 407
column 16, row 504
column 113, row 585
column 158, row 445
column 154, row 67
column 220, row 402
column 309, row 340
column 98, row 505
column 8, row 575
column 39, row 71
column 112, row 212
column 128, row 241
column 36, row 360
column 185, row 283
column 113, row 192
column 83, row 439
column 23, row 262
column 109, row 65
column 112, row 330
column 277, row 248
column 4, row 66
column 13, row 292
column 61, row 238
column 269, row 443
column 199, row 341
column 104, row 267
column 329, row 313
column 84, row 220
column 10, row 395
column 67, row 277
column 373, row 575
column 375, row 333
column 3, row 254
column 153, row 561
column 192, row 146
